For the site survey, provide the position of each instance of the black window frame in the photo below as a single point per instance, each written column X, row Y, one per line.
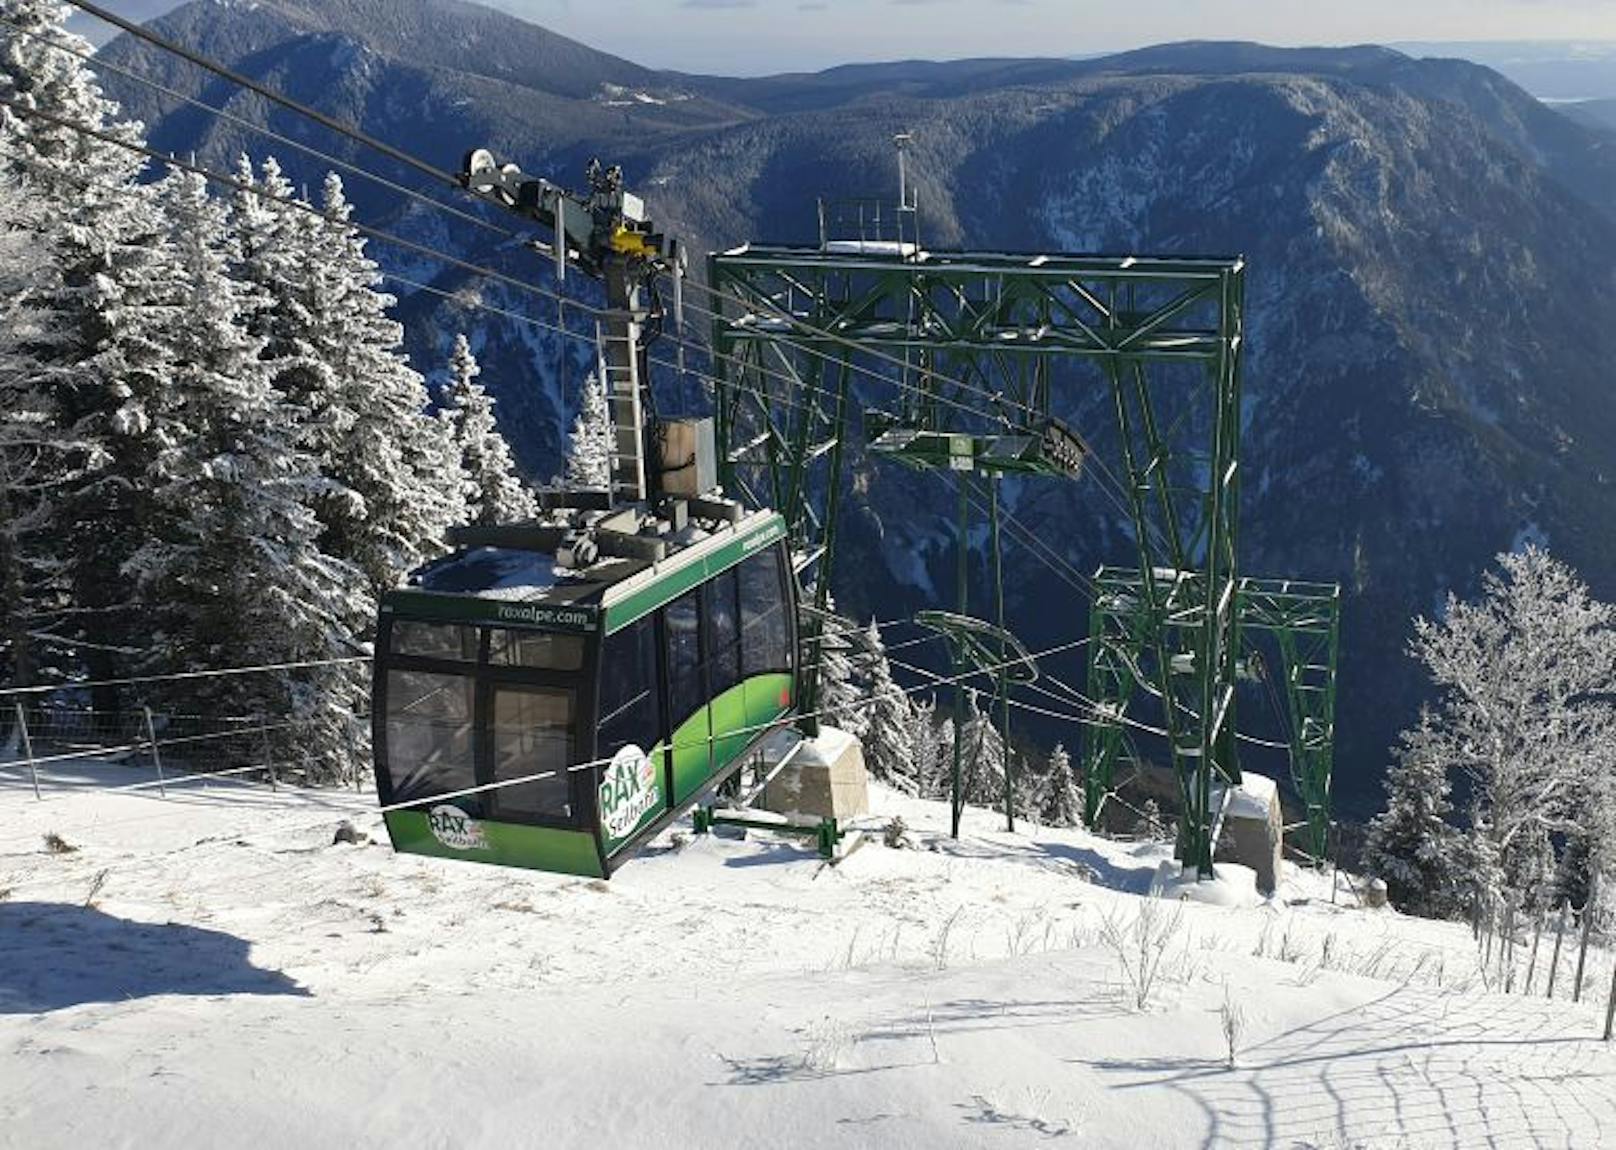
column 581, row 683
column 675, row 715
column 610, row 661
column 717, row 648
column 786, row 602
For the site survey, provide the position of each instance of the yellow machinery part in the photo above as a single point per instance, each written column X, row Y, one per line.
column 632, row 243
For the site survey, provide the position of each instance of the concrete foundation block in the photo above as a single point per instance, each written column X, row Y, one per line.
column 826, row 779
column 1254, row 830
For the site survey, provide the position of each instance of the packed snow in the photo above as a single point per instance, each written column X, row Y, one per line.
column 211, row 968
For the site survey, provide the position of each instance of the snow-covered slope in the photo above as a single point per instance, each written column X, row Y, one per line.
column 210, row 970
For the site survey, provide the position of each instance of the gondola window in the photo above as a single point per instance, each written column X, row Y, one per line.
column 543, row 649
column 630, row 707
column 765, row 630
column 687, row 691
column 723, row 633
column 446, row 641
column 429, row 734
column 532, row 735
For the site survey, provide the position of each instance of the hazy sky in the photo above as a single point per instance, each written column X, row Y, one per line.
column 739, row 37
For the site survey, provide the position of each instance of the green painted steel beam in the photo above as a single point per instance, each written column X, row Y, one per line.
column 961, row 347
column 1303, row 617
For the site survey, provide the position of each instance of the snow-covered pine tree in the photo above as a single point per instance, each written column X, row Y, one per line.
column 841, row 678
column 1152, row 825
column 494, row 493
column 1063, row 805
column 1483, row 887
column 1032, row 784
column 391, row 464
column 390, row 482
column 275, row 244
column 888, row 740
column 233, row 574
column 113, row 304
column 1411, row 846
column 1531, row 865
column 945, row 756
column 36, row 458
column 923, row 737
column 1574, row 872
column 589, row 451
column 1525, row 709
column 983, row 759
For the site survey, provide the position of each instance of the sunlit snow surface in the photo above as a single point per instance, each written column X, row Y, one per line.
column 237, row 980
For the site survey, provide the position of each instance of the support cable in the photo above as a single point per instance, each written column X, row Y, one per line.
column 442, row 176
column 436, row 173
column 140, row 32
column 101, row 64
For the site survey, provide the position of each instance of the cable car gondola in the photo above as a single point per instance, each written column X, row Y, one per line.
column 623, row 664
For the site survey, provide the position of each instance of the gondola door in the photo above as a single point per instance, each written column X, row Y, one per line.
column 528, row 703
column 632, row 784
column 531, row 736
column 688, row 713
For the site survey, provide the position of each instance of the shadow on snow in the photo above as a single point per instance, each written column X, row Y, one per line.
column 56, row 955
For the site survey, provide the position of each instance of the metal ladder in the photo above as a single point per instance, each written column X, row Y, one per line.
column 619, row 341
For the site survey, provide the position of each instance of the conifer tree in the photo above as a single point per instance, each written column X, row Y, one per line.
column 1531, row 865
column 232, row 574
column 1574, row 873
column 392, row 461
column 589, row 451
column 841, row 687
column 37, row 459
column 983, row 757
column 390, row 477
column 888, row 739
column 493, row 492
column 1411, row 846
column 1063, row 804
column 112, row 298
column 946, row 733
column 924, row 738
column 1151, row 823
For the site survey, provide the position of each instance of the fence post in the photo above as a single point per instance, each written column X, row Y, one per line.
column 1587, row 929
column 157, row 759
column 1531, row 967
column 1506, row 953
column 269, row 753
column 28, row 750
column 1559, row 937
column 1610, row 1004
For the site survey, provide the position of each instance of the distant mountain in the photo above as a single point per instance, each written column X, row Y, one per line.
column 1432, row 294
column 1550, row 70
column 1600, row 114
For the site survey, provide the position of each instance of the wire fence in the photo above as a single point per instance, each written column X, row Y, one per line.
column 56, row 743
column 1559, row 952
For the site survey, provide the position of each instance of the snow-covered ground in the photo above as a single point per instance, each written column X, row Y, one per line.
column 210, row 970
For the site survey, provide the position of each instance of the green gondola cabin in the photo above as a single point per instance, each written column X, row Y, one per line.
column 596, row 675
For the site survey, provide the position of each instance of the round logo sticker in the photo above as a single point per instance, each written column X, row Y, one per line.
column 628, row 791
column 455, row 829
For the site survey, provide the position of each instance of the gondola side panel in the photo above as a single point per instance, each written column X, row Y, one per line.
column 709, row 741
column 447, row 832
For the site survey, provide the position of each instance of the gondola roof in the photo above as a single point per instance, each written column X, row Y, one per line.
column 530, row 574
column 522, row 576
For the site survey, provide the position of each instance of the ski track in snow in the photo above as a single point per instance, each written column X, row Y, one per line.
column 238, row 980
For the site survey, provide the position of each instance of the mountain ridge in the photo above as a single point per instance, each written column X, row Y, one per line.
column 1430, row 253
